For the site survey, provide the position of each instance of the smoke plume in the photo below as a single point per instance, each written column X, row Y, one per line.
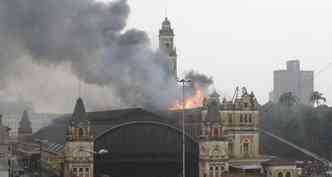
column 200, row 79
column 90, row 39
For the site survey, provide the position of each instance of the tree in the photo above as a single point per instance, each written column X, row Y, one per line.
column 316, row 98
column 288, row 99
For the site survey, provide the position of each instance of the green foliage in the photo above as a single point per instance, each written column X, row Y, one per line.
column 317, row 97
column 303, row 125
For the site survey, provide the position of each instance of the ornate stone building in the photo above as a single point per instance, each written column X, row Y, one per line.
column 214, row 156
column 79, row 145
column 281, row 168
column 166, row 44
column 229, row 135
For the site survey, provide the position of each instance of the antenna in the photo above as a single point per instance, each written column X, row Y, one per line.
column 79, row 88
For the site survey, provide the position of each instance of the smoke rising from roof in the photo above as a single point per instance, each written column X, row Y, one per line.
column 90, row 38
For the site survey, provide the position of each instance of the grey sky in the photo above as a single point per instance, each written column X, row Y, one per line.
column 240, row 42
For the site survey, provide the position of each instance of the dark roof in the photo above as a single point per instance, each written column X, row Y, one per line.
column 279, row 162
column 166, row 22
column 100, row 122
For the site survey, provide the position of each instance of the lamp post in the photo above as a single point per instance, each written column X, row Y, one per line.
column 100, row 152
column 183, row 82
column 40, row 141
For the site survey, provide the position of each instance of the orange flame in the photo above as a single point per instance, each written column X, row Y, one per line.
column 194, row 101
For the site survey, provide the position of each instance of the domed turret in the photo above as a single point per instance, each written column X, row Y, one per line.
column 25, row 129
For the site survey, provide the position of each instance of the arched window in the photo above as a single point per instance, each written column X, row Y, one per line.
column 80, row 132
column 250, row 118
column 288, row 174
column 246, row 147
column 211, row 172
column 216, row 172
column 216, row 132
column 230, row 119
column 230, row 148
column 280, row 174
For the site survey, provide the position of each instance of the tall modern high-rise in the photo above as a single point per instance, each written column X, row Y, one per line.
column 293, row 79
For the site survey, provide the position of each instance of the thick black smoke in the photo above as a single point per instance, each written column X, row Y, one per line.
column 201, row 80
column 90, row 37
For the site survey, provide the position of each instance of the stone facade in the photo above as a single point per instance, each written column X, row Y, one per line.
column 229, row 133
column 4, row 139
column 280, row 168
column 166, row 44
column 79, row 146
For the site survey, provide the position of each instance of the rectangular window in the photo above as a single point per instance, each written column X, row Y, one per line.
column 75, row 171
column 241, row 118
column 250, row 118
column 230, row 119
column 216, row 172
column 245, row 118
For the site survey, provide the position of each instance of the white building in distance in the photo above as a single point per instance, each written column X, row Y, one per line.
column 295, row 80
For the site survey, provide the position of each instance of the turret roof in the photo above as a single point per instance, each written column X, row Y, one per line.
column 166, row 22
column 79, row 116
column 25, row 123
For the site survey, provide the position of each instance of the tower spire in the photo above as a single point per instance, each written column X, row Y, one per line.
column 166, row 44
column 79, row 114
column 25, row 129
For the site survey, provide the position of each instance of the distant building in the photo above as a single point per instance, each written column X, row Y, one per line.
column 4, row 137
column 38, row 121
column 293, row 79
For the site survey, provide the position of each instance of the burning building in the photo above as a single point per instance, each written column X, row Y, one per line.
column 221, row 136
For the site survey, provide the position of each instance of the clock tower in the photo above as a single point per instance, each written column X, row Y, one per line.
column 79, row 146
column 166, row 44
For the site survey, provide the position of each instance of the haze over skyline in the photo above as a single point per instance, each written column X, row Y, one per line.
column 238, row 43
column 241, row 42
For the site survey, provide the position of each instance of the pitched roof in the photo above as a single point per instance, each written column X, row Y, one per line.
column 25, row 123
column 100, row 122
column 79, row 115
column 279, row 162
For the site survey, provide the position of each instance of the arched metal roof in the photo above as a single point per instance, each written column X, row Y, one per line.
column 144, row 122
